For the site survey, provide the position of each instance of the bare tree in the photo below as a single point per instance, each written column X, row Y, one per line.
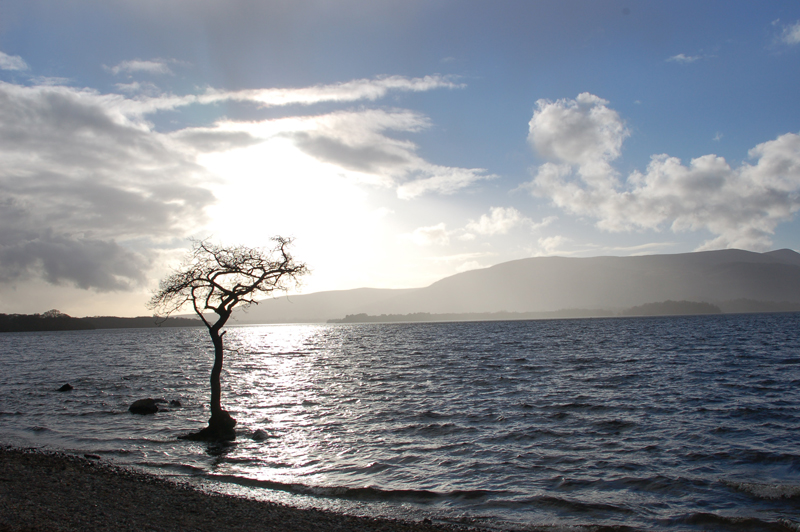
column 215, row 279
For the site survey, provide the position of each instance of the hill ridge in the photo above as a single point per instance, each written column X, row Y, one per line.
column 547, row 284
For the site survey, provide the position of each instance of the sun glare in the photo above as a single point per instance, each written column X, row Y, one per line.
column 274, row 188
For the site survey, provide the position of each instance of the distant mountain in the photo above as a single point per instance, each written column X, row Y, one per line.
column 317, row 307
column 547, row 284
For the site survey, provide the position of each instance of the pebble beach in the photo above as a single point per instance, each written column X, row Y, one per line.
column 44, row 491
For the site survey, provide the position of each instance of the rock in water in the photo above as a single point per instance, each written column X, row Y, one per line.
column 219, row 429
column 67, row 387
column 260, row 435
column 144, row 406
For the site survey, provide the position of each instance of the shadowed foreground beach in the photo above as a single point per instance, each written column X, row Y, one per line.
column 45, row 491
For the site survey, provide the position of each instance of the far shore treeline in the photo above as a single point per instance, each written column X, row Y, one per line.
column 663, row 308
column 53, row 320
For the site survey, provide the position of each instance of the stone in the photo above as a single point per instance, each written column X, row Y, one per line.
column 67, row 387
column 220, row 429
column 144, row 406
column 260, row 435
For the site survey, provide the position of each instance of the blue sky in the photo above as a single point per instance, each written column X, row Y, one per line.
column 397, row 142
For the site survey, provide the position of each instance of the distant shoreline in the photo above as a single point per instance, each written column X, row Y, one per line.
column 57, row 321
column 664, row 308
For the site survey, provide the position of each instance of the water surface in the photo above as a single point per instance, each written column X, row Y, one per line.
column 682, row 423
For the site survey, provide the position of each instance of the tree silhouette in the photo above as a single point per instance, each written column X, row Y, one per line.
column 217, row 279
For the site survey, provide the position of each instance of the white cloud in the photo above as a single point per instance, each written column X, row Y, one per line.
column 641, row 249
column 791, row 34
column 441, row 180
column 50, row 81
column 544, row 223
column 360, row 89
column 499, row 221
column 157, row 66
column 12, row 62
column 582, row 132
column 137, row 88
column 741, row 206
column 551, row 245
column 426, row 236
column 682, row 58
column 352, row 91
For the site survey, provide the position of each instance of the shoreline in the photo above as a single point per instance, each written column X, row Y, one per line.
column 55, row 491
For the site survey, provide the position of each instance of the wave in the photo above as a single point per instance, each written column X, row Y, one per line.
column 576, row 507
column 434, row 429
column 744, row 456
column 430, row 414
column 578, row 406
column 177, row 469
column 766, row 491
column 367, row 493
column 732, row 523
column 613, row 426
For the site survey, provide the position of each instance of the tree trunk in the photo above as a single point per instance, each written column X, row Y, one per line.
column 216, row 371
column 220, row 425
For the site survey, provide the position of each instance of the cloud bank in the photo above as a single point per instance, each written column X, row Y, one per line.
column 90, row 189
column 345, row 92
column 740, row 206
column 77, row 179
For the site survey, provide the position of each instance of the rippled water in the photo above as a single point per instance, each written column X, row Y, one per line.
column 684, row 423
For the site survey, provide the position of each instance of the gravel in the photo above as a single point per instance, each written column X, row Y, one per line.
column 49, row 491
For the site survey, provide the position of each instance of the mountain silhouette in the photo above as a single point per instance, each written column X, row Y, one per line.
column 546, row 284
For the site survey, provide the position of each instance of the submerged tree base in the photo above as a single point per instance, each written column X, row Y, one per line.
column 220, row 428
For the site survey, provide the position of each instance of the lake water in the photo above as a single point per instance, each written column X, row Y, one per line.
column 681, row 423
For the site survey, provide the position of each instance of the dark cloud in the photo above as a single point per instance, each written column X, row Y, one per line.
column 370, row 158
column 86, row 263
column 207, row 140
column 79, row 179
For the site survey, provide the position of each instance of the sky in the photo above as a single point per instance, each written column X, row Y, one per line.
column 397, row 142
